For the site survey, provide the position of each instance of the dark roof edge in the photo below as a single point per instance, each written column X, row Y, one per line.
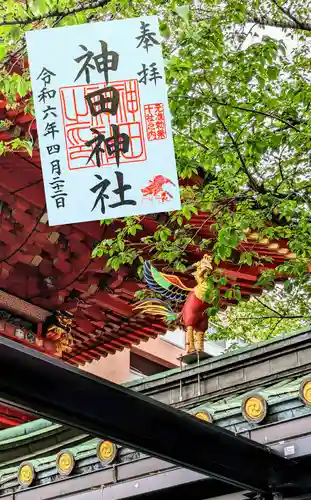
column 266, row 349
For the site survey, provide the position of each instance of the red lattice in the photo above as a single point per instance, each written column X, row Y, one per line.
column 78, row 121
column 155, row 121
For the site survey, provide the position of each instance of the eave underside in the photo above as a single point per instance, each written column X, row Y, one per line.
column 51, row 267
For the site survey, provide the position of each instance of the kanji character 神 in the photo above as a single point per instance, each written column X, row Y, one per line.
column 105, row 61
column 115, row 144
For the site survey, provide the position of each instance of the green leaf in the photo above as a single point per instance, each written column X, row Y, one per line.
column 288, row 286
column 39, row 7
column 237, row 294
column 164, row 30
column 183, row 12
column 228, row 294
column 121, row 245
column 2, row 52
column 140, row 271
column 16, row 33
column 212, row 311
column 272, row 72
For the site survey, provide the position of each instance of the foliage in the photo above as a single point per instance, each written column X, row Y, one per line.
column 260, row 318
column 240, row 104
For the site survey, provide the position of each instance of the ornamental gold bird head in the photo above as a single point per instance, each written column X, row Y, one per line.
column 203, row 268
column 64, row 318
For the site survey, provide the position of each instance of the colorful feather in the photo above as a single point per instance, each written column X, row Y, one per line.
column 156, row 307
column 169, row 286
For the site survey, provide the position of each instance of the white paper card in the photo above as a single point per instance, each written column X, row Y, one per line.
column 103, row 120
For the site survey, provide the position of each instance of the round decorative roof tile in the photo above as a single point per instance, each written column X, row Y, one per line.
column 65, row 462
column 305, row 391
column 254, row 408
column 204, row 415
column 106, row 451
column 26, row 474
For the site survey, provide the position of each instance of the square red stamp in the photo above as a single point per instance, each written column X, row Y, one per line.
column 77, row 102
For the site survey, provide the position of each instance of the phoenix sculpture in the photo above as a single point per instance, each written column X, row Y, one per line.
column 193, row 316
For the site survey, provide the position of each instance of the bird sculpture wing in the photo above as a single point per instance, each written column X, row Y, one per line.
column 168, row 285
column 157, row 307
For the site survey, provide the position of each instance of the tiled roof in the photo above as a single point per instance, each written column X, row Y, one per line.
column 282, row 399
column 283, row 403
column 250, row 348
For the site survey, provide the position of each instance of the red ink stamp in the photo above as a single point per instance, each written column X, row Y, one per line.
column 155, row 189
column 155, row 121
column 80, row 115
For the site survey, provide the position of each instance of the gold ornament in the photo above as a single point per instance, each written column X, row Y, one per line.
column 254, row 408
column 106, row 451
column 26, row 474
column 65, row 462
column 305, row 391
column 204, row 415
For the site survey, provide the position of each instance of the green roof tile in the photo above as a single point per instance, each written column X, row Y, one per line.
column 226, row 411
column 226, row 355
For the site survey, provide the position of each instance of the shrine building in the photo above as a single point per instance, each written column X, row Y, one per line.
column 50, row 283
column 261, row 392
column 44, row 270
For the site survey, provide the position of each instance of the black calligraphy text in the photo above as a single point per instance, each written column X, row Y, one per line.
column 146, row 38
column 150, row 74
column 105, row 61
column 104, row 100
column 101, row 188
column 115, row 144
column 50, row 131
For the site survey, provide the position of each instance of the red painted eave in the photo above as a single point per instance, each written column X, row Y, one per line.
column 50, row 267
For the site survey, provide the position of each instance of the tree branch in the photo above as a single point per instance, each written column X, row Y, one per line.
column 269, row 317
column 263, row 113
column 198, row 143
column 267, row 307
column 56, row 13
column 21, row 49
column 241, row 108
column 274, row 328
column 288, row 14
column 251, row 17
column 252, row 181
column 264, row 21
